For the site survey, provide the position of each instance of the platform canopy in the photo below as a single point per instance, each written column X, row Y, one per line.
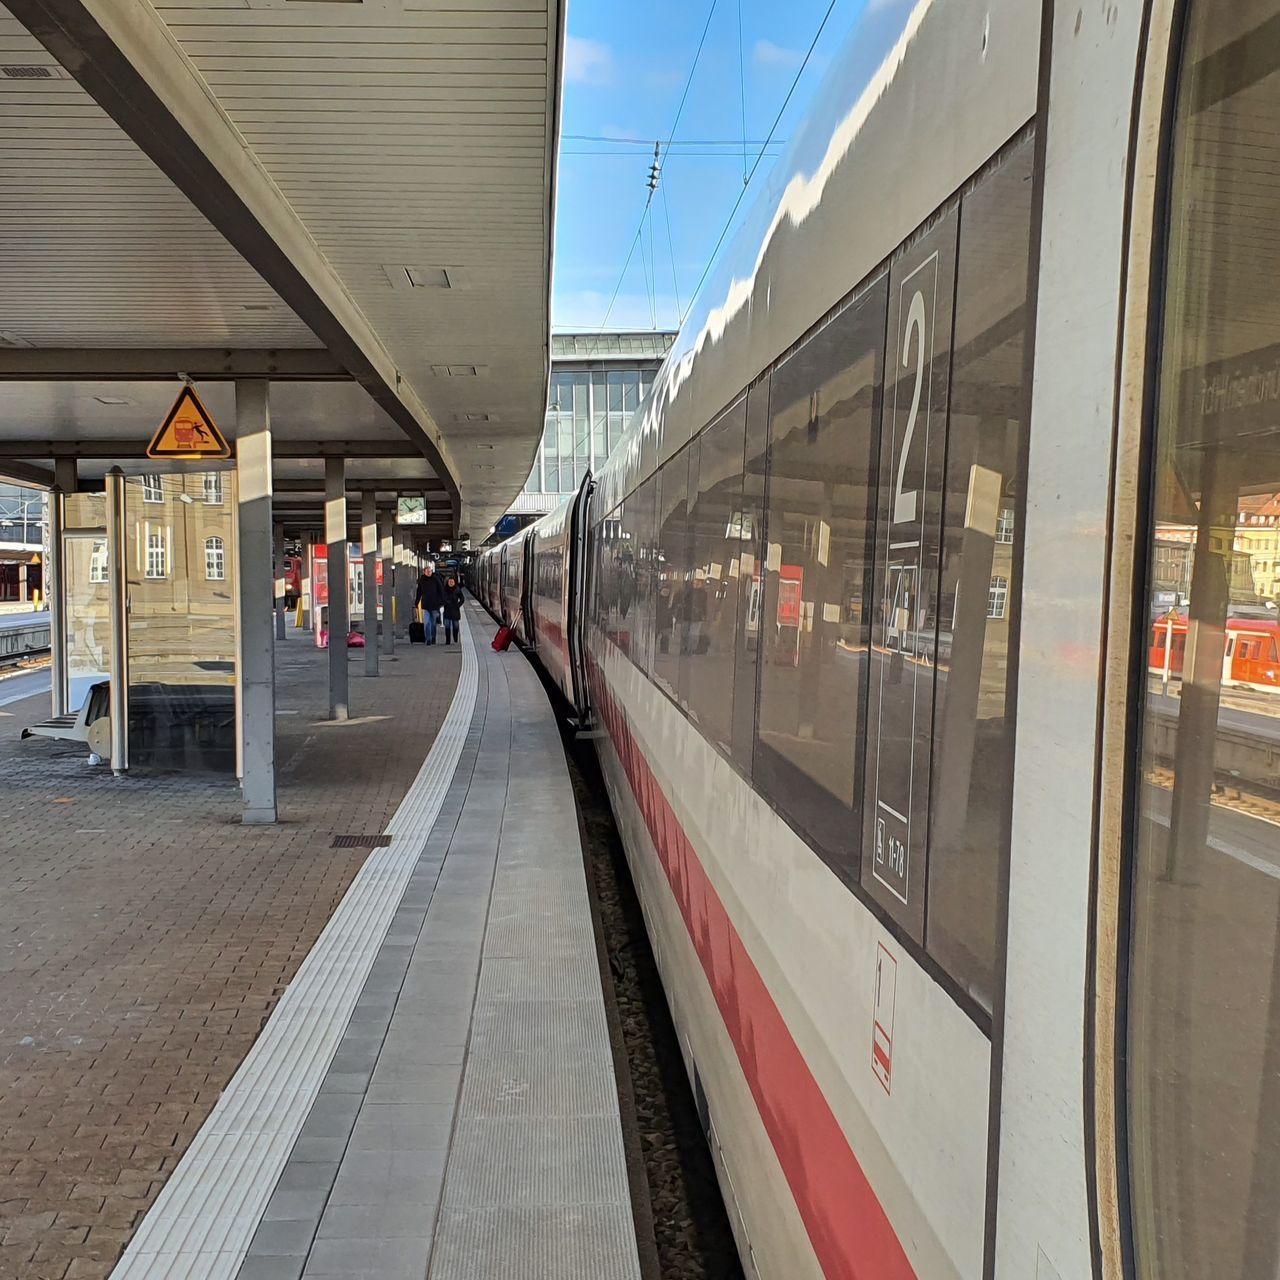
column 352, row 198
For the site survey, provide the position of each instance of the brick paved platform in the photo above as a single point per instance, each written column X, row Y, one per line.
column 145, row 937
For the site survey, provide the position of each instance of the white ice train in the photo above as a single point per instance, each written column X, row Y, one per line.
column 973, row 947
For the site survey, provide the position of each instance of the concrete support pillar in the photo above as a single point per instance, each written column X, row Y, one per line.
column 406, row 583
column 312, row 538
column 386, row 552
column 118, row 603
column 55, row 596
column 256, row 672
column 335, row 532
column 369, row 551
column 277, row 556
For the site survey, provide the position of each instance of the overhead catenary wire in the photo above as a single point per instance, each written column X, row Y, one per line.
column 724, row 231
column 742, row 94
column 671, row 248
column 675, row 124
column 670, row 143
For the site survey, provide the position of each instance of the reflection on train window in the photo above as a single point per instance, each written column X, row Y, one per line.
column 904, row 607
column 671, row 602
column 717, row 531
column 1203, row 1057
column 986, row 444
column 638, row 534
column 824, row 414
column 750, row 575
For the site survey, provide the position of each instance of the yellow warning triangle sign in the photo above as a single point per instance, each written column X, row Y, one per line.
column 188, row 431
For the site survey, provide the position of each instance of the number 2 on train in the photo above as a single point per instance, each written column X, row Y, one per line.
column 906, row 502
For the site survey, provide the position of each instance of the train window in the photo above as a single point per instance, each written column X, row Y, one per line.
column 671, row 602
column 824, row 420
column 638, row 533
column 750, row 575
column 1203, row 996
column 716, row 541
column 903, row 654
column 973, row 720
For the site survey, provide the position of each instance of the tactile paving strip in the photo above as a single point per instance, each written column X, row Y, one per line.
column 203, row 1221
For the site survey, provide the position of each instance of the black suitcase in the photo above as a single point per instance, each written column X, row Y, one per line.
column 417, row 633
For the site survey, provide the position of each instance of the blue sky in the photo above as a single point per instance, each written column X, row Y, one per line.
column 625, row 69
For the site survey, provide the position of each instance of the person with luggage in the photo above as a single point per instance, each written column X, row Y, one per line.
column 430, row 599
column 452, row 610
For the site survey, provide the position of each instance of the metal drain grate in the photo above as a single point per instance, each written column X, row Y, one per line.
column 360, row 842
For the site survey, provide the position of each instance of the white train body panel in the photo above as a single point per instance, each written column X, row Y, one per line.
column 854, row 1131
column 922, row 1146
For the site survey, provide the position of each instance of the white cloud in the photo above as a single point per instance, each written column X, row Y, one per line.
column 587, row 61
column 620, row 135
column 768, row 54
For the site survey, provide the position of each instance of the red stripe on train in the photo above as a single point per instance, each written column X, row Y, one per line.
column 849, row 1230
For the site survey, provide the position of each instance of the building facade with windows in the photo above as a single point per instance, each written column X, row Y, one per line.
column 21, row 544
column 597, row 383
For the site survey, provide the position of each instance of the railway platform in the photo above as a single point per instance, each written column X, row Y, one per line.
column 285, row 1060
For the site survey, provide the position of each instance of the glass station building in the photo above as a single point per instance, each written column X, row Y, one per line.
column 597, row 382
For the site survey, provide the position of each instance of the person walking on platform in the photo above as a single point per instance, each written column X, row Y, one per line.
column 452, row 610
column 431, row 597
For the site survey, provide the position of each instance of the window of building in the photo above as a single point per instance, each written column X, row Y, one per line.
column 1202, row 1057
column 998, row 597
column 213, row 488
column 157, row 553
column 824, row 411
column 215, row 567
column 152, row 489
column 98, row 562
column 1004, row 525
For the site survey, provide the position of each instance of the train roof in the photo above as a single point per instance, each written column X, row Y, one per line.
column 919, row 99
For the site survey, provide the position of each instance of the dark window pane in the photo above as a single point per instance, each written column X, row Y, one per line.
column 750, row 576
column 638, row 540
column 715, row 532
column 671, row 603
column 824, row 415
column 1203, row 1053
column 986, row 442
column 904, row 625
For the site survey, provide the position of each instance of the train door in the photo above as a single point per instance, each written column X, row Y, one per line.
column 529, row 552
column 574, row 595
column 1182, row 985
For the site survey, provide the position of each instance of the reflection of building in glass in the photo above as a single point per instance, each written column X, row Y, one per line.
column 21, row 543
column 180, row 539
column 597, row 383
column 1254, row 555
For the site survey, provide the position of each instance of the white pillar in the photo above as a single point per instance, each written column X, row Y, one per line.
column 256, row 669
column 406, row 583
column 118, row 600
column 369, row 552
column 335, row 532
column 277, row 555
column 56, row 599
column 387, row 557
